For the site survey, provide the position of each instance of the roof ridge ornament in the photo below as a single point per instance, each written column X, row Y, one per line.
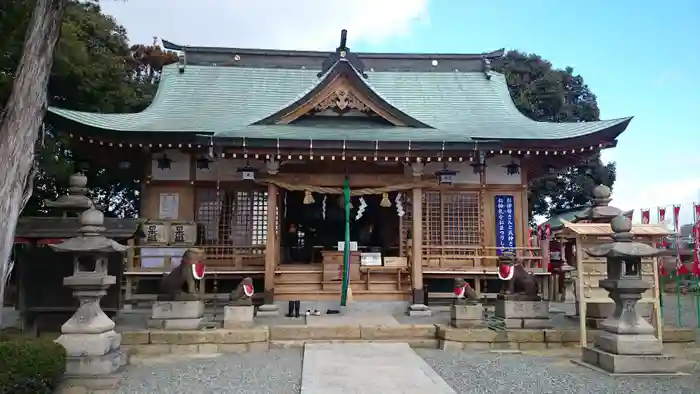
column 486, row 67
column 342, row 53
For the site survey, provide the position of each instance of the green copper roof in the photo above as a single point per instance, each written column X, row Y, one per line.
column 227, row 100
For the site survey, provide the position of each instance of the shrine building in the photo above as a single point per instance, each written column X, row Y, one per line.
column 244, row 153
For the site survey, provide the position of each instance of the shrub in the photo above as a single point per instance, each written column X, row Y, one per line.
column 30, row 366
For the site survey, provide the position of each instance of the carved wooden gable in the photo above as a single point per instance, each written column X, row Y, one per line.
column 341, row 97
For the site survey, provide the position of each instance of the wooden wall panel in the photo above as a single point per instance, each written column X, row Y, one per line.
column 150, row 201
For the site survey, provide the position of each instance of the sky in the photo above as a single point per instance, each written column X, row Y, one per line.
column 638, row 57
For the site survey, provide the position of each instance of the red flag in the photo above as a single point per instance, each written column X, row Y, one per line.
column 539, row 241
column 696, row 246
column 662, row 218
column 696, row 242
column 548, row 234
column 630, row 215
column 681, row 269
column 645, row 216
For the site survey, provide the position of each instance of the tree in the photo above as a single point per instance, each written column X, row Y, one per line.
column 93, row 70
column 22, row 118
column 544, row 93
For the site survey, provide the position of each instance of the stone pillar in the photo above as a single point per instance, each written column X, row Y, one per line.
column 271, row 246
column 418, row 307
column 626, row 344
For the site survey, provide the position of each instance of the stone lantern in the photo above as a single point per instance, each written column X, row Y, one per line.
column 626, row 342
column 76, row 201
column 92, row 345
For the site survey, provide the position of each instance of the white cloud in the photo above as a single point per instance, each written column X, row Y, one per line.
column 284, row 24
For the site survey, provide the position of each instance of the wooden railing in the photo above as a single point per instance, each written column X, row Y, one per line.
column 475, row 258
column 151, row 258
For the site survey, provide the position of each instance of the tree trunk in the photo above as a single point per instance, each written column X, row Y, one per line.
column 22, row 119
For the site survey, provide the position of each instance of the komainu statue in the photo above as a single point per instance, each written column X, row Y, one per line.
column 191, row 269
column 520, row 283
column 465, row 294
column 242, row 295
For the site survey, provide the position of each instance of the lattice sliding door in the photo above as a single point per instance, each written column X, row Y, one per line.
column 238, row 218
column 451, row 230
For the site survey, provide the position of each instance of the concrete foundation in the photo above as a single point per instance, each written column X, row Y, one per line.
column 268, row 310
column 419, row 310
column 238, row 316
column 467, row 316
column 523, row 314
column 177, row 315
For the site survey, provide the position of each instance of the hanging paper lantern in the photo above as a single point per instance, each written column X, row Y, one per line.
column 308, row 197
column 385, row 203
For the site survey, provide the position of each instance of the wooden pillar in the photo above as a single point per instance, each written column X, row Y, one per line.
column 271, row 244
column 417, row 247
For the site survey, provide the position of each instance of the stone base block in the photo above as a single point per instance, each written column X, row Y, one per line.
column 419, row 310
column 176, row 324
column 238, row 316
column 528, row 323
column 467, row 323
column 630, row 364
column 602, row 310
column 268, row 310
column 465, row 316
column 178, row 310
column 509, row 309
column 90, row 344
column 644, row 344
column 91, row 366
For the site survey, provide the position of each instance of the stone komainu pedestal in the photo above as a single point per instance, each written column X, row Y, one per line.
column 177, row 315
column 519, row 312
column 467, row 316
column 626, row 343
column 94, row 357
column 238, row 316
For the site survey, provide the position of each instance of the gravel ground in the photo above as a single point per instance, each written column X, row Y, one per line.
column 279, row 372
column 487, row 373
column 273, row 372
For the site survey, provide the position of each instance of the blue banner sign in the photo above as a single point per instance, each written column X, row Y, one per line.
column 505, row 224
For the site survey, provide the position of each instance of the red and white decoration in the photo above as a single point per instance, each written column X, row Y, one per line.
column 696, row 241
column 505, row 272
column 461, row 290
column 248, row 290
column 645, row 216
column 548, row 236
column 681, row 269
column 198, row 270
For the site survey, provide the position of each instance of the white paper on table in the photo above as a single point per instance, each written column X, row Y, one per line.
column 169, row 206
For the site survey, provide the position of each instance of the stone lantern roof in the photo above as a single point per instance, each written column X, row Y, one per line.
column 623, row 244
column 600, row 212
column 90, row 240
column 76, row 198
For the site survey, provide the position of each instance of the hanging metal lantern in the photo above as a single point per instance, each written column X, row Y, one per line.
column 445, row 176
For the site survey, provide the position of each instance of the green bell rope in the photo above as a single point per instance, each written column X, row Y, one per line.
column 346, row 249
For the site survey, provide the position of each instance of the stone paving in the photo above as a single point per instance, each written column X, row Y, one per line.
column 368, row 368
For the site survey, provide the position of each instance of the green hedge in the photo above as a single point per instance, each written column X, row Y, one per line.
column 30, row 366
